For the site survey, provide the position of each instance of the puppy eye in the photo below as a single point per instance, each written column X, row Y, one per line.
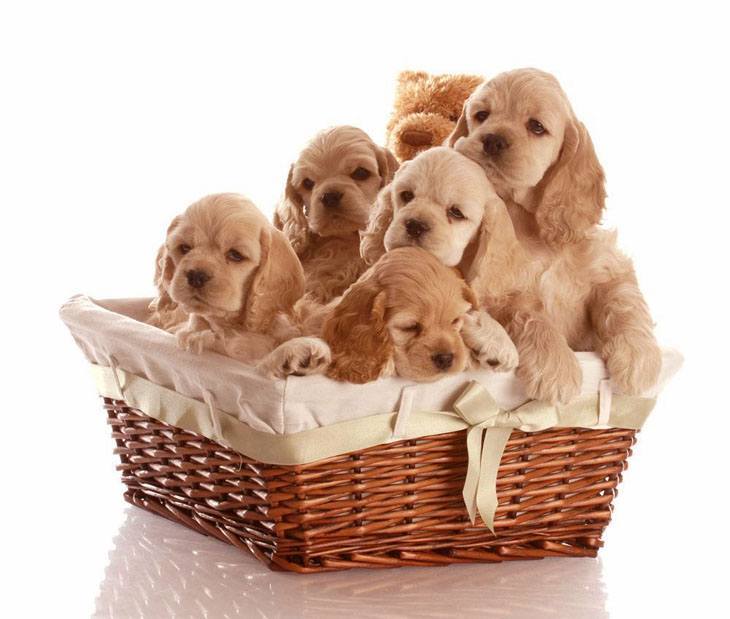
column 406, row 196
column 415, row 328
column 234, row 256
column 456, row 213
column 184, row 248
column 308, row 184
column 360, row 174
column 481, row 116
column 536, row 127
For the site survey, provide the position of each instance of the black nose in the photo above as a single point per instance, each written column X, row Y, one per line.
column 443, row 360
column 331, row 199
column 493, row 144
column 416, row 228
column 197, row 279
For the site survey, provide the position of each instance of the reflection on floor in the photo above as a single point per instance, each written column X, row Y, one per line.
column 159, row 569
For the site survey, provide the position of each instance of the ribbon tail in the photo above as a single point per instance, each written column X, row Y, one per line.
column 471, row 484
column 486, row 496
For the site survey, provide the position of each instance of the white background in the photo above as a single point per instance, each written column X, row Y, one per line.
column 115, row 116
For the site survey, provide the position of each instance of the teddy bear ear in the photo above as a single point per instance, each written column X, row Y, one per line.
column 406, row 77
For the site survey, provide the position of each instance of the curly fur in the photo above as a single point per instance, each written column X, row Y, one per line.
column 555, row 280
column 246, row 296
column 326, row 238
column 401, row 313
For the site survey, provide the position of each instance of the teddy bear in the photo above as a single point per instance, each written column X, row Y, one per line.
column 426, row 110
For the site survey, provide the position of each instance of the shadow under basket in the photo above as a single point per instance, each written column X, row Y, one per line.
column 387, row 506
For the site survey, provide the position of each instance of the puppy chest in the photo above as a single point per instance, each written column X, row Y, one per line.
column 564, row 294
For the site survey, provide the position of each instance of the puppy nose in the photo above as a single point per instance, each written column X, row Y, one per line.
column 443, row 360
column 493, row 144
column 331, row 199
column 197, row 279
column 416, row 228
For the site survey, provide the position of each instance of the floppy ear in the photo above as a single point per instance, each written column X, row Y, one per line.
column 289, row 216
column 470, row 297
column 277, row 284
column 371, row 239
column 387, row 165
column 497, row 250
column 571, row 196
column 357, row 334
column 164, row 271
column 461, row 129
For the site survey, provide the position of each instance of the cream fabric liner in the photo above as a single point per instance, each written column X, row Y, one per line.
column 110, row 333
column 345, row 436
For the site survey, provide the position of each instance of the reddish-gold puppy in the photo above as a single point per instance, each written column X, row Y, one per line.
column 404, row 317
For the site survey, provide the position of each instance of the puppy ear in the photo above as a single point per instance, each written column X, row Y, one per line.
column 460, row 130
column 357, row 334
column 496, row 250
column 571, row 196
column 372, row 238
column 470, row 296
column 164, row 272
column 277, row 284
column 387, row 165
column 289, row 216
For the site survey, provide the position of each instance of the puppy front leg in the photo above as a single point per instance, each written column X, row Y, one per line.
column 624, row 334
column 489, row 343
column 548, row 367
column 301, row 356
column 195, row 335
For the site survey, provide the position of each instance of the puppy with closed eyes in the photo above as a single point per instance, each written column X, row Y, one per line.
column 403, row 317
column 566, row 286
column 227, row 280
column 442, row 202
column 327, row 201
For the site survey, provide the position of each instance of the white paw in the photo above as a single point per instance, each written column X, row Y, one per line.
column 195, row 341
column 301, row 356
column 489, row 343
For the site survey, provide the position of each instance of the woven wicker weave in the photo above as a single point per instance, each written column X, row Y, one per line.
column 386, row 506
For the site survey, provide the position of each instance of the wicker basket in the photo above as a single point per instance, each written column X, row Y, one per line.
column 387, row 506
column 313, row 475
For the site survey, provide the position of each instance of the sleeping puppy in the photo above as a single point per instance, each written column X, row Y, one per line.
column 227, row 280
column 404, row 317
column 565, row 285
column 327, row 201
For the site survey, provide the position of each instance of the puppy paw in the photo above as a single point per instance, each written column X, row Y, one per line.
column 551, row 375
column 489, row 343
column 195, row 341
column 302, row 356
column 634, row 364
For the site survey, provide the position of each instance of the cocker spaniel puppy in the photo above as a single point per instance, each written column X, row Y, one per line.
column 405, row 317
column 227, row 281
column 557, row 281
column 327, row 201
column 443, row 203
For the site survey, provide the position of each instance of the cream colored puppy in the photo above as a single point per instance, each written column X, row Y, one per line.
column 227, row 281
column 329, row 193
column 555, row 279
column 442, row 202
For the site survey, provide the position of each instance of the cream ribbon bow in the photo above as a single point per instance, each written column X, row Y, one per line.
column 490, row 428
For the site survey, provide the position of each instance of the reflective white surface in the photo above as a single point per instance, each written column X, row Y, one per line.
column 158, row 569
